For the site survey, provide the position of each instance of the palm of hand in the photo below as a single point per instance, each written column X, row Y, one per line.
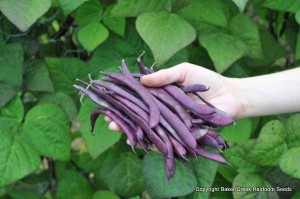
column 220, row 94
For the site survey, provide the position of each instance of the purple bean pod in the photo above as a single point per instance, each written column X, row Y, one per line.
column 188, row 102
column 143, row 93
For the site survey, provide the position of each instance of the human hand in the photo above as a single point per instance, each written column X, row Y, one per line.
column 222, row 93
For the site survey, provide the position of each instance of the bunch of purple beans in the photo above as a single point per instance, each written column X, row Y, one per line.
column 165, row 117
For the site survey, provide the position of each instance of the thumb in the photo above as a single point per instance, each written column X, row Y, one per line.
column 165, row 76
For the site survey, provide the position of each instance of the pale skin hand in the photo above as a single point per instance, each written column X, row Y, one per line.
column 221, row 91
column 247, row 97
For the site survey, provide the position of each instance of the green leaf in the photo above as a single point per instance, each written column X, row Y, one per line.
column 205, row 11
column 249, row 180
column 205, row 171
column 86, row 109
column 7, row 92
column 239, row 133
column 244, row 29
column 105, row 194
column 227, row 172
column 23, row 13
column 241, row 4
column 107, row 57
column 90, row 11
column 270, row 144
column 289, row 162
column 133, row 8
column 224, row 49
column 237, row 156
column 17, row 158
column 12, row 114
column 65, row 71
column 68, row 6
column 157, row 185
column 115, row 24
column 271, row 48
column 64, row 101
column 11, row 63
column 293, row 131
column 92, row 35
column 73, row 185
column 165, row 33
column 46, row 128
column 123, row 176
column 103, row 138
column 283, row 5
column 37, row 77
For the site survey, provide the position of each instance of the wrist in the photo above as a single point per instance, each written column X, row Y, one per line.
column 237, row 87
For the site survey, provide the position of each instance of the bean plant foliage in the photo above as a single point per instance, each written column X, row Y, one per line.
column 46, row 148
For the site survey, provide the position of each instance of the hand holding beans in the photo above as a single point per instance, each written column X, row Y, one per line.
column 154, row 109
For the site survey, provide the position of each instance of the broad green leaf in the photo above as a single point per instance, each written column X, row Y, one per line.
column 73, row 185
column 17, row 158
column 102, row 139
column 12, row 114
column 224, row 49
column 238, row 133
column 64, row 101
column 293, row 131
column 65, row 71
column 92, row 35
column 157, row 185
column 68, row 6
column 11, row 63
column 23, row 13
column 165, row 33
column 90, row 11
column 283, row 5
column 237, row 71
column 289, row 162
column 269, row 145
column 205, row 11
column 244, row 29
column 271, row 48
column 241, row 4
column 105, row 194
column 37, row 78
column 124, row 176
column 237, row 156
column 7, row 92
column 87, row 107
column 108, row 56
column 46, row 128
column 115, row 24
column 133, row 8
column 227, row 172
column 249, row 180
column 205, row 171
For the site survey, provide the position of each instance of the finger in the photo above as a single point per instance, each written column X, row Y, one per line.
column 107, row 119
column 114, row 127
column 166, row 76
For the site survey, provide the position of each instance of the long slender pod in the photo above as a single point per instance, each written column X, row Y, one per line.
column 187, row 101
column 172, row 103
column 143, row 93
